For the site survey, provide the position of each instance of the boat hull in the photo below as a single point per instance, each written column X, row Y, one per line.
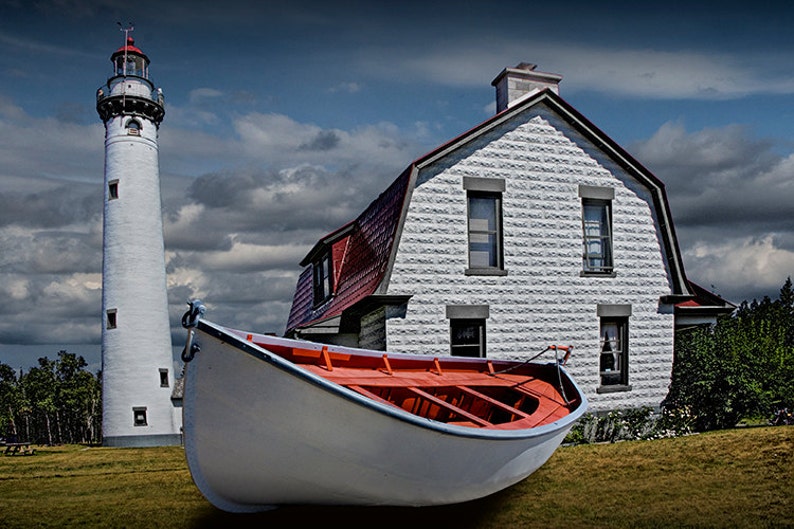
column 260, row 433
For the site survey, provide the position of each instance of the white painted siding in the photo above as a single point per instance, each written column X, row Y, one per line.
column 543, row 300
column 134, row 283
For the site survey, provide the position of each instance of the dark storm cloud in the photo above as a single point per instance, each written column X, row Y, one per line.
column 58, row 206
column 732, row 199
column 722, row 178
column 50, row 252
column 324, row 141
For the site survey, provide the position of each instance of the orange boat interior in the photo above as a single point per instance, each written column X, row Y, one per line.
column 489, row 394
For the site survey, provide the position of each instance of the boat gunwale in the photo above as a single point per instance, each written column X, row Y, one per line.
column 234, row 338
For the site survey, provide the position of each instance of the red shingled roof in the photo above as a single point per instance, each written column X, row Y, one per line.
column 705, row 299
column 360, row 252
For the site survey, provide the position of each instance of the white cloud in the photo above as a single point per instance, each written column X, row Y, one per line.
column 740, row 267
column 197, row 96
column 732, row 199
column 346, row 87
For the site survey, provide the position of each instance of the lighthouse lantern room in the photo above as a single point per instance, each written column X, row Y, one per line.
column 137, row 358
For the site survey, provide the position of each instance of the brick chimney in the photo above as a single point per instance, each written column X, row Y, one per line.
column 513, row 84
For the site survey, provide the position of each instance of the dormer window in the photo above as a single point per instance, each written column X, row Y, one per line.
column 322, row 271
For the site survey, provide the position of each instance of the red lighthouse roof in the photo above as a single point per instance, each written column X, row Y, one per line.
column 130, row 46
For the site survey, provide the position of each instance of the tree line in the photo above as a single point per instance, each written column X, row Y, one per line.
column 743, row 367
column 56, row 402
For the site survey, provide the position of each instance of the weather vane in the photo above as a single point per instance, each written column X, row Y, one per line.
column 127, row 37
column 130, row 27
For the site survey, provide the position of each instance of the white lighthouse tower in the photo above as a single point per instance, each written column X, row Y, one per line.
column 137, row 366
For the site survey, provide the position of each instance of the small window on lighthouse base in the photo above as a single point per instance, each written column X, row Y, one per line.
column 139, row 416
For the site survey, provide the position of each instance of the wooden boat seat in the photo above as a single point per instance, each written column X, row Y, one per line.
column 440, row 391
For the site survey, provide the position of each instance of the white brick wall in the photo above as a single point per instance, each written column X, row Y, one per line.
column 543, row 300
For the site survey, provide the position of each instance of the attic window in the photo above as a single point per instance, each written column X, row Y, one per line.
column 322, row 273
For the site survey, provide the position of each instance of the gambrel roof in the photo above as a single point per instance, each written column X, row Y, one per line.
column 365, row 249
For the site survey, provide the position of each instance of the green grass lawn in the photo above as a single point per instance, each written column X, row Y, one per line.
column 735, row 478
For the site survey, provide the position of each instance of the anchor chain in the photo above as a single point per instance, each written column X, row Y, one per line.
column 190, row 320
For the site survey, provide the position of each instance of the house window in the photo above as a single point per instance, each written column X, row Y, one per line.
column 111, row 319
column 467, row 329
column 613, row 362
column 597, row 229
column 467, row 338
column 323, row 278
column 484, row 198
column 113, row 189
column 139, row 416
column 163, row 378
column 596, row 218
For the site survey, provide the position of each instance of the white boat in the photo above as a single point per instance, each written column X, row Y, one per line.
column 272, row 421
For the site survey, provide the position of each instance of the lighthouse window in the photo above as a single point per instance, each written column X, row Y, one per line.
column 113, row 189
column 163, row 378
column 139, row 416
column 111, row 318
column 133, row 128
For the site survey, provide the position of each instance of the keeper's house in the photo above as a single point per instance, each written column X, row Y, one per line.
column 533, row 228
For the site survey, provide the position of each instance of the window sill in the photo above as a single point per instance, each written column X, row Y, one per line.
column 322, row 303
column 485, row 272
column 616, row 388
column 597, row 274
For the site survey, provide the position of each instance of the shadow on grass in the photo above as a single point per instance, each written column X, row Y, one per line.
column 461, row 516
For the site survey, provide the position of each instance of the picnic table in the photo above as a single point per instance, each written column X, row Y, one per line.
column 23, row 449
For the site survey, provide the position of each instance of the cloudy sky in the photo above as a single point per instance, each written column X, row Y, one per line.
column 283, row 123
